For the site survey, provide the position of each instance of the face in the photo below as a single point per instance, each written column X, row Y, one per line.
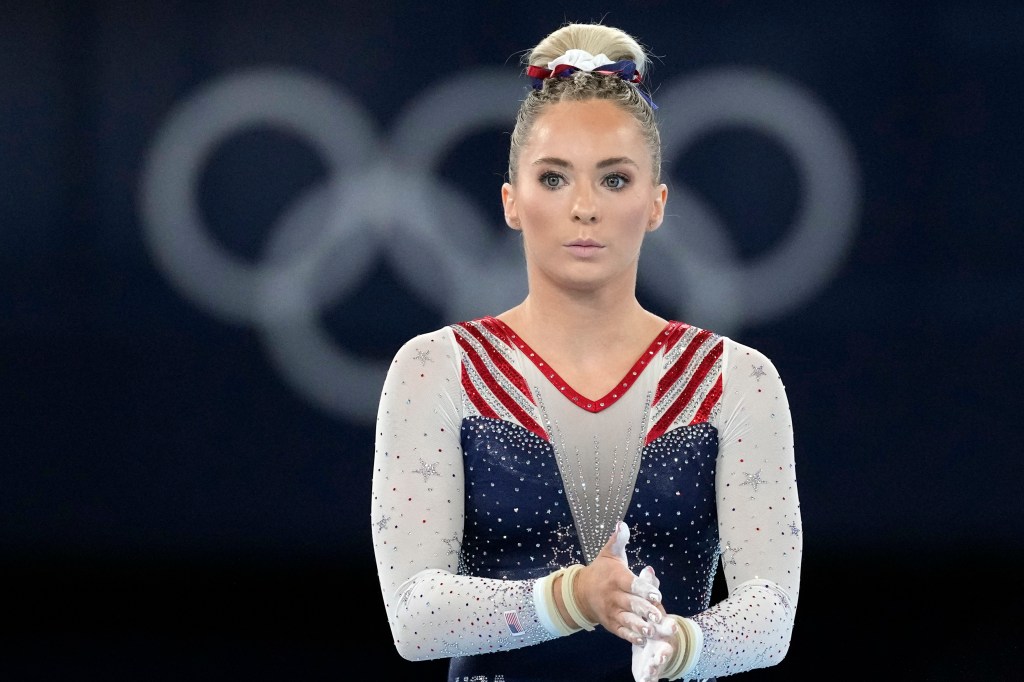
column 584, row 196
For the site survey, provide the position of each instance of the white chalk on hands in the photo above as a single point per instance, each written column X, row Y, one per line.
column 621, row 536
column 650, row 658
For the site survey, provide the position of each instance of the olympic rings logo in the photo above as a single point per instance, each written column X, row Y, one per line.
column 384, row 198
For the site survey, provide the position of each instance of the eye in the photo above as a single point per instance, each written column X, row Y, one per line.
column 616, row 181
column 552, row 180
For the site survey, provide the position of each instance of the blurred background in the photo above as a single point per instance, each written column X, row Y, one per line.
column 218, row 221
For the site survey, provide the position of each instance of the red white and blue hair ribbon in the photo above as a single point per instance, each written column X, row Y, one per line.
column 624, row 69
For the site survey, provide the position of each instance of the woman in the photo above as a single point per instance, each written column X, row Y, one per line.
column 566, row 477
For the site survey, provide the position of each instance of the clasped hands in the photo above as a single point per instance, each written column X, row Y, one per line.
column 629, row 606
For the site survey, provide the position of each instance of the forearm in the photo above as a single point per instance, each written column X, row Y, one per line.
column 748, row 630
column 436, row 614
column 751, row 629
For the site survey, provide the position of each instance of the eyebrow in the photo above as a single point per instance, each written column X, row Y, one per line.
column 562, row 163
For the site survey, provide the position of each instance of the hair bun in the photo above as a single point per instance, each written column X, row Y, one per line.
column 595, row 39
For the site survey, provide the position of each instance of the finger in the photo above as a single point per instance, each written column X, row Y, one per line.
column 649, row 660
column 638, row 626
column 664, row 631
column 648, row 574
column 637, row 630
column 618, row 540
column 631, row 635
column 644, row 610
column 640, row 665
column 643, row 587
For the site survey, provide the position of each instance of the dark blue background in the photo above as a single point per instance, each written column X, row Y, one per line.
column 171, row 508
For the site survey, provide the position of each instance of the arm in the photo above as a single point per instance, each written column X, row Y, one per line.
column 759, row 522
column 417, row 518
column 417, row 521
column 760, row 534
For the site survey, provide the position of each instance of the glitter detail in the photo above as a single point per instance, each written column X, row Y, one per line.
column 591, row 405
column 461, row 535
column 427, row 470
column 501, row 457
column 753, row 480
column 731, row 551
column 596, row 511
column 454, row 544
column 495, row 388
column 691, row 386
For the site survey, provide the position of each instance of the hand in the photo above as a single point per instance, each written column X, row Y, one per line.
column 657, row 649
column 607, row 592
column 651, row 657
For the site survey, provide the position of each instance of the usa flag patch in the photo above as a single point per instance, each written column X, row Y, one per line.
column 514, row 626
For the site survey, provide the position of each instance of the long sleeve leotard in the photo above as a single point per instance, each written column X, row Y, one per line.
column 491, row 472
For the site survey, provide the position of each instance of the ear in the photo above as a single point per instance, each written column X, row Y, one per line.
column 658, row 207
column 508, row 200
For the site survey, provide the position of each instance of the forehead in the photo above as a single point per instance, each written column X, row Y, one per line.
column 586, row 128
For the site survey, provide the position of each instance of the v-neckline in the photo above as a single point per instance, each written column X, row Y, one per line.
column 563, row 387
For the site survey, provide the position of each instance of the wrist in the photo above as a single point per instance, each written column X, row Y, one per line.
column 569, row 580
column 689, row 641
column 555, row 602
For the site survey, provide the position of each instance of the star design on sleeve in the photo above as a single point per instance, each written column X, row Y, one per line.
column 383, row 522
column 454, row 545
column 732, row 551
column 793, row 530
column 758, row 372
column 426, row 470
column 504, row 595
column 423, row 357
column 753, row 479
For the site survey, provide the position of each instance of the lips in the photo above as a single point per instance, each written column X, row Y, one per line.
column 584, row 248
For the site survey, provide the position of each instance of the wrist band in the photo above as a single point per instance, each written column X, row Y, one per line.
column 689, row 641
column 675, row 664
column 569, row 597
column 547, row 608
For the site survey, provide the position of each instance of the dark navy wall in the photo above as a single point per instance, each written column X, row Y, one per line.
column 219, row 220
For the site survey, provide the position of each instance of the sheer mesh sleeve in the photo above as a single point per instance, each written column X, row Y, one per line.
column 759, row 522
column 417, row 518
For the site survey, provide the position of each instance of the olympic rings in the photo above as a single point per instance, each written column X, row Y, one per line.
column 724, row 294
column 386, row 198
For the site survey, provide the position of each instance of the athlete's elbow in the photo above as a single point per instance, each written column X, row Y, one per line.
column 412, row 651
column 773, row 655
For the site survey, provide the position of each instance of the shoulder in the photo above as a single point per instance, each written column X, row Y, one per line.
column 736, row 358
column 741, row 352
column 745, row 367
column 741, row 356
column 445, row 340
column 426, row 347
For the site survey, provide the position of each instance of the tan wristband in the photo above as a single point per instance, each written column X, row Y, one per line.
column 675, row 664
column 689, row 641
column 547, row 608
column 569, row 597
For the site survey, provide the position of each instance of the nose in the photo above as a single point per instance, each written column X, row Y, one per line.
column 584, row 207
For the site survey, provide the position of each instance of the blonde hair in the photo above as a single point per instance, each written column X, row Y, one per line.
column 595, row 39
column 617, row 45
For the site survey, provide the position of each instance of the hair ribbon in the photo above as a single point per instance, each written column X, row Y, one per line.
column 570, row 63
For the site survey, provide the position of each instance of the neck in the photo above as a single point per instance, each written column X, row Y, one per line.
column 572, row 318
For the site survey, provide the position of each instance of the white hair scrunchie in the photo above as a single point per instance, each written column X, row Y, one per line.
column 580, row 59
